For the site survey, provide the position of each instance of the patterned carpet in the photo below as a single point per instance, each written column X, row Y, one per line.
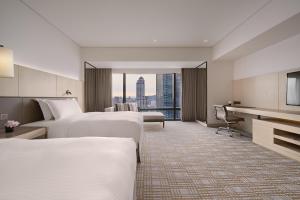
column 188, row 161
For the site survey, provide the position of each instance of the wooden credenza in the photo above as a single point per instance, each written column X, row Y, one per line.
column 278, row 130
column 278, row 135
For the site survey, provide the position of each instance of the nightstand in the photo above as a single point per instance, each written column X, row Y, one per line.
column 25, row 133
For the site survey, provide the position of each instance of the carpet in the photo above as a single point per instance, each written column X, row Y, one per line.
column 188, row 161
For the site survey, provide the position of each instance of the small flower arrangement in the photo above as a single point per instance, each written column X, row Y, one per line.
column 10, row 125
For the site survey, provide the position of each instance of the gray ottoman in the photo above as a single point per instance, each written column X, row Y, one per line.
column 154, row 117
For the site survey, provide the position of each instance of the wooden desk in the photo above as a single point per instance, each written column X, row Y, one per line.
column 279, row 131
column 279, row 114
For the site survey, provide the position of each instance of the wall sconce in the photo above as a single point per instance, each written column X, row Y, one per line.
column 68, row 92
column 6, row 62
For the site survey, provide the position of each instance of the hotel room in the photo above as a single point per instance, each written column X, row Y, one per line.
column 142, row 100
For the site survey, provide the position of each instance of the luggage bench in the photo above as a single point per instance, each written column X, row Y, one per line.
column 154, row 117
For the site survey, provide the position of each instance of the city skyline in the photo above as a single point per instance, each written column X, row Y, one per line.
column 117, row 84
column 161, row 96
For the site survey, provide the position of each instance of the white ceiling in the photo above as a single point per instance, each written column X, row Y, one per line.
column 136, row 23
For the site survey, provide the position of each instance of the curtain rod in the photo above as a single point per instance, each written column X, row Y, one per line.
column 85, row 62
column 199, row 66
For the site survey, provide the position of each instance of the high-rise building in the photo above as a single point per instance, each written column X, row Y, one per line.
column 165, row 93
column 178, row 95
column 140, row 93
column 164, row 90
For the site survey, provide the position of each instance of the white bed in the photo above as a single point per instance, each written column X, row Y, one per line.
column 67, row 168
column 102, row 124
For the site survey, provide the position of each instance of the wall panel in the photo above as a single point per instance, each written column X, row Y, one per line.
column 64, row 84
column 261, row 91
column 9, row 86
column 75, row 86
column 265, row 91
column 34, row 83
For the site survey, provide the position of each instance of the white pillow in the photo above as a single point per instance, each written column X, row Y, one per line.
column 45, row 109
column 133, row 107
column 63, row 108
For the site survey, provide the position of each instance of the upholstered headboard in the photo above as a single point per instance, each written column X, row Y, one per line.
column 23, row 109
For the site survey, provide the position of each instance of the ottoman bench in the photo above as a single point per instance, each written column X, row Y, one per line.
column 154, row 117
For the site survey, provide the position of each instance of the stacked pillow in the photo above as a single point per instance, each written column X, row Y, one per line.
column 58, row 109
column 126, row 107
column 45, row 109
column 121, row 107
column 133, row 107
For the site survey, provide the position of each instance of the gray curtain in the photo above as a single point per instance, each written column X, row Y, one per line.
column 98, row 86
column 189, row 81
column 194, row 94
column 201, row 95
column 89, row 89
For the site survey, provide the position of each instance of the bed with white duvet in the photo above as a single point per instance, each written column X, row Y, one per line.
column 97, row 124
column 67, row 168
column 64, row 118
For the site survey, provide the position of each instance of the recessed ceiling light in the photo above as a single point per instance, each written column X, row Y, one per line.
column 205, row 41
column 154, row 40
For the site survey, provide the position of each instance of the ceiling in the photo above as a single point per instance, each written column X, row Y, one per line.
column 147, row 65
column 146, row 23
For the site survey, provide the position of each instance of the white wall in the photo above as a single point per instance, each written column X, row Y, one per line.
column 36, row 43
column 278, row 57
column 219, row 84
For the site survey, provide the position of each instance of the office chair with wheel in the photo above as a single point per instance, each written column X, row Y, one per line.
column 222, row 114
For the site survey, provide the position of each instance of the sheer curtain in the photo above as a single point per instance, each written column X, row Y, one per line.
column 98, row 89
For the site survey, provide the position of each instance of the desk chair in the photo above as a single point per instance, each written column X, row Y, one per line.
column 222, row 114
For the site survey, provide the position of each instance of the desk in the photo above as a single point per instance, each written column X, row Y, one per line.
column 279, row 114
column 280, row 131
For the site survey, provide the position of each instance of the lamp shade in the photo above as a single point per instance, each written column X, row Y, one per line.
column 6, row 62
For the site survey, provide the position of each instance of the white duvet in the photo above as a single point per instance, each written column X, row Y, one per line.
column 67, row 169
column 103, row 124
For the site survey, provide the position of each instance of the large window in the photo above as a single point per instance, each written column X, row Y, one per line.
column 151, row 92
column 117, row 88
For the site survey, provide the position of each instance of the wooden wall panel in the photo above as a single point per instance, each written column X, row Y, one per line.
column 261, row 91
column 9, row 86
column 64, row 84
column 28, row 82
column 248, row 92
column 266, row 91
column 237, row 90
column 80, row 94
column 75, row 86
column 34, row 83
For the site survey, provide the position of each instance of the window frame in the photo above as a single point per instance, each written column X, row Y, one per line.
column 174, row 108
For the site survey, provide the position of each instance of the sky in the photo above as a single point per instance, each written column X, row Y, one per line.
column 117, row 84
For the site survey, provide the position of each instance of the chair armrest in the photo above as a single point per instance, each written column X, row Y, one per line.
column 109, row 109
